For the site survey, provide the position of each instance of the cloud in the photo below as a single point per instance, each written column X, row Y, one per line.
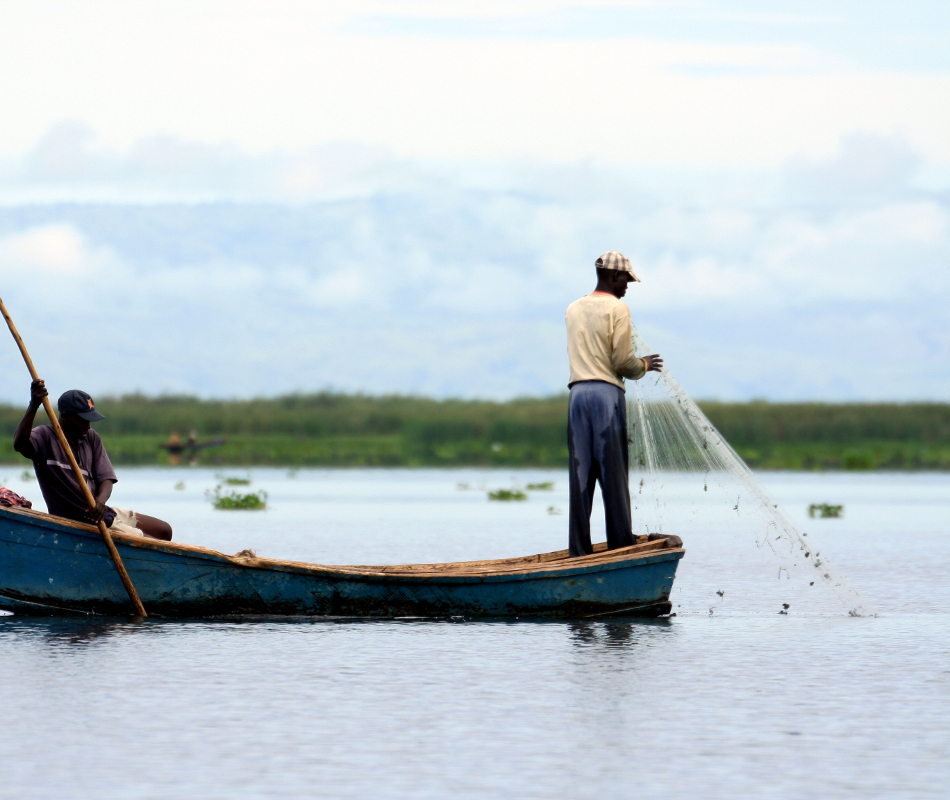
column 458, row 286
column 345, row 266
column 63, row 155
column 405, row 196
column 56, row 250
column 70, row 163
column 864, row 164
column 662, row 85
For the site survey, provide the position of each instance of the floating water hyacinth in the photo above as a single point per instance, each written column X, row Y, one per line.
column 547, row 486
column 180, row 486
column 235, row 501
column 507, row 494
column 232, row 481
column 825, row 510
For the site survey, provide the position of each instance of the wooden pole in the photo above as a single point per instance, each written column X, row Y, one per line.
column 116, row 558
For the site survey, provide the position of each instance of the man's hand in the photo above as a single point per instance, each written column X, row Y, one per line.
column 37, row 393
column 98, row 514
column 21, row 439
column 654, row 363
column 103, row 493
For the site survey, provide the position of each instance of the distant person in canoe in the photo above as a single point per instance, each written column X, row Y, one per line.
column 600, row 350
column 62, row 493
column 176, row 448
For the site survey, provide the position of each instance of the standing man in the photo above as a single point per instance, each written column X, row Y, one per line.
column 61, row 490
column 600, row 349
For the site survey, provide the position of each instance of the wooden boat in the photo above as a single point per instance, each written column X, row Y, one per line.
column 51, row 565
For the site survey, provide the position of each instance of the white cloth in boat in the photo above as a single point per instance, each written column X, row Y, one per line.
column 125, row 521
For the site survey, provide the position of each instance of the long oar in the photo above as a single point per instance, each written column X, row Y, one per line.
column 116, row 558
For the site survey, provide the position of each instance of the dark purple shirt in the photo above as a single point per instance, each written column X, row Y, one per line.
column 61, row 490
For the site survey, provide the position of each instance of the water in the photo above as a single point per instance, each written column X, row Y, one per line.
column 723, row 705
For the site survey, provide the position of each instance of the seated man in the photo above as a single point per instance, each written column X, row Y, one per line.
column 62, row 492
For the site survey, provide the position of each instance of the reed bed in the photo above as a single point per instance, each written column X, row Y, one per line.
column 328, row 429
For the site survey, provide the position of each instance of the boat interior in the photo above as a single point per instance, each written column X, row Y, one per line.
column 645, row 545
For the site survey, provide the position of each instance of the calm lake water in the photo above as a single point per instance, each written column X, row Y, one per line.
column 725, row 700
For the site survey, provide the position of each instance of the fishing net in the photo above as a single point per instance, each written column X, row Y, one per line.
column 744, row 554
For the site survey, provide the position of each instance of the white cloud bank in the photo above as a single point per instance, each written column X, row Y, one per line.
column 404, row 196
column 636, row 85
column 801, row 283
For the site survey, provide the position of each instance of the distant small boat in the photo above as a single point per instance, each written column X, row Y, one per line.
column 51, row 565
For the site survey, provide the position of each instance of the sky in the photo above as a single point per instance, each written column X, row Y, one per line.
column 404, row 197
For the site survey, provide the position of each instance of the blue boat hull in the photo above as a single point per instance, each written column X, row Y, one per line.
column 53, row 566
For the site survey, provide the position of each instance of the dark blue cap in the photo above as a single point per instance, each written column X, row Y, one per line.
column 79, row 403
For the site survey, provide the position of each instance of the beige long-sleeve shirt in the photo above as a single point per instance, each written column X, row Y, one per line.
column 599, row 343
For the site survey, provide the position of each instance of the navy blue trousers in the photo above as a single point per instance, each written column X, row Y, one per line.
column 597, row 445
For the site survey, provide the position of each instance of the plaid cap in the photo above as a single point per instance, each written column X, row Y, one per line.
column 615, row 260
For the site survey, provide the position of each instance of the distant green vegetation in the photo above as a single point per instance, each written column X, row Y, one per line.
column 329, row 429
column 852, row 436
column 231, row 481
column 507, row 494
column 235, row 501
column 825, row 510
